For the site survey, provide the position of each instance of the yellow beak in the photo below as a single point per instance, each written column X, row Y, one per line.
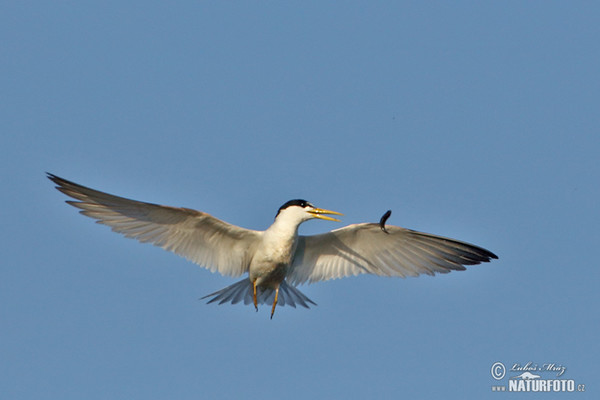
column 321, row 214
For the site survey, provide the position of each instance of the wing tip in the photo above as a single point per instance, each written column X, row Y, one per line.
column 61, row 183
column 55, row 178
column 486, row 255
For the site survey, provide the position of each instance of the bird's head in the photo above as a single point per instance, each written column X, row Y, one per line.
column 301, row 210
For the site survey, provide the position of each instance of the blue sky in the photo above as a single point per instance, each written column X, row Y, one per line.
column 473, row 120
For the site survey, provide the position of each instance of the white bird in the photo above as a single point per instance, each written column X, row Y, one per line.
column 277, row 259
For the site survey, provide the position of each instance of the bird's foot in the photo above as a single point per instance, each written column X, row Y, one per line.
column 254, row 297
column 274, row 302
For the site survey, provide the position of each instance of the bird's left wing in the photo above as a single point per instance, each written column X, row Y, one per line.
column 367, row 249
column 197, row 236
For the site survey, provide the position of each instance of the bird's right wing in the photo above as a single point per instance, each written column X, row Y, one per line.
column 367, row 249
column 197, row 236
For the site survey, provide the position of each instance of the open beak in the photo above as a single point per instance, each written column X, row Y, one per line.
column 322, row 214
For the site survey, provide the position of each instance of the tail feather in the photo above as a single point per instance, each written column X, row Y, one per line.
column 295, row 295
column 243, row 291
column 239, row 295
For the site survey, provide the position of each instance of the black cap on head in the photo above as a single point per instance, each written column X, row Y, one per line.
column 296, row 202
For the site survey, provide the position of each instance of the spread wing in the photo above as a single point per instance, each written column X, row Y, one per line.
column 197, row 236
column 366, row 249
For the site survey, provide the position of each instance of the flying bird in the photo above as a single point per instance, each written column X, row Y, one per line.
column 278, row 259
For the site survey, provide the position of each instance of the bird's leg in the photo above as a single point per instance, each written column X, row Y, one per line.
column 274, row 302
column 254, row 297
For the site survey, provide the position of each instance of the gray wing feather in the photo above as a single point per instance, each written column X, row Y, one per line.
column 365, row 249
column 197, row 236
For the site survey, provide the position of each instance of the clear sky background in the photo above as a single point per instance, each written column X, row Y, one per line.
column 474, row 120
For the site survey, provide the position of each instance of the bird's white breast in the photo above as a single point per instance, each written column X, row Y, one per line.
column 274, row 254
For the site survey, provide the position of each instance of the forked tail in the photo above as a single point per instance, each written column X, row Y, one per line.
column 242, row 291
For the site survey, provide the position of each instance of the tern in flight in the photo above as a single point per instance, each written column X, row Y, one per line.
column 277, row 259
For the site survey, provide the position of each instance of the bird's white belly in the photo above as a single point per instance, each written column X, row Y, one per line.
column 271, row 262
